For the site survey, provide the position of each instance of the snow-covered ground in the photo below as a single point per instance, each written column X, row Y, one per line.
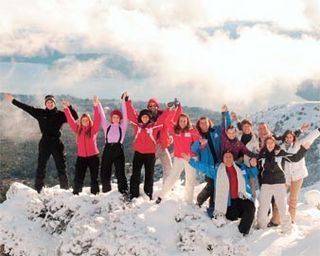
column 58, row 223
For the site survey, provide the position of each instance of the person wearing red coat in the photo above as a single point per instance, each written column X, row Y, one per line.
column 144, row 146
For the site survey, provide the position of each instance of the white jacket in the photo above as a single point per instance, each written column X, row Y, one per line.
column 297, row 170
column 252, row 145
column 223, row 188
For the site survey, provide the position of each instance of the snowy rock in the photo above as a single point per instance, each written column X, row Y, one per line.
column 57, row 223
column 312, row 198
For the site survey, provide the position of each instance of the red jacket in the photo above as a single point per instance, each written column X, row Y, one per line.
column 162, row 136
column 145, row 139
column 87, row 146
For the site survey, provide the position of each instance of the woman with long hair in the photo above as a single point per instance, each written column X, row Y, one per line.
column 183, row 136
column 295, row 172
column 86, row 131
column 272, row 179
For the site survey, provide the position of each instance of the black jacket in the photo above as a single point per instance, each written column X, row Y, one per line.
column 50, row 121
column 271, row 165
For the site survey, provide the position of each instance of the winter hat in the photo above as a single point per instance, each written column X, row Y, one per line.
column 49, row 97
column 154, row 101
column 144, row 112
column 116, row 112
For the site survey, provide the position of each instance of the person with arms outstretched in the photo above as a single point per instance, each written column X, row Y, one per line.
column 113, row 154
column 50, row 122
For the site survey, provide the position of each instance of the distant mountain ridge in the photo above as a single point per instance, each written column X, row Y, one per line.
column 309, row 90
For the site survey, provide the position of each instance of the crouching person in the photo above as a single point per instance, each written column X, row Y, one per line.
column 233, row 197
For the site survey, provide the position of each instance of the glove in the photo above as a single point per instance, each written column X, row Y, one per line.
column 126, row 98
column 176, row 102
column 170, row 104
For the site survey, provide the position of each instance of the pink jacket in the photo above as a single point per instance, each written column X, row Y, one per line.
column 87, row 146
column 182, row 141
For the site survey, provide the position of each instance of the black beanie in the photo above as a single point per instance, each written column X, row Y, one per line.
column 144, row 112
column 49, row 97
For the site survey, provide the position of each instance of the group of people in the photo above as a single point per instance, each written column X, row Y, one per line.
column 237, row 162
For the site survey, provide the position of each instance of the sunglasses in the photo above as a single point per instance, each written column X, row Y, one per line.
column 152, row 106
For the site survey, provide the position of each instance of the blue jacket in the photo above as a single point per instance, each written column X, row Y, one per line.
column 205, row 154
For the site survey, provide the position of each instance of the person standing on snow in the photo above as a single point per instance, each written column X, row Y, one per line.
column 144, row 146
column 163, row 138
column 86, row 132
column 272, row 179
column 114, row 133
column 209, row 150
column 183, row 136
column 295, row 172
column 50, row 122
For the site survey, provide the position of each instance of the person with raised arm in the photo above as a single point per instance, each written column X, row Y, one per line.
column 162, row 137
column 183, row 136
column 144, row 146
column 295, row 172
column 50, row 121
column 272, row 161
column 86, row 131
column 208, row 149
column 114, row 132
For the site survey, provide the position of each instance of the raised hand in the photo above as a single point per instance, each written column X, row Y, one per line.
column 8, row 97
column 95, row 101
column 65, row 104
column 305, row 127
column 124, row 96
column 306, row 145
column 224, row 108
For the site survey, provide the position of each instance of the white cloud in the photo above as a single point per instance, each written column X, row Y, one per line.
column 167, row 42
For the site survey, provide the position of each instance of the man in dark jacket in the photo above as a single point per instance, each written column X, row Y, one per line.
column 50, row 122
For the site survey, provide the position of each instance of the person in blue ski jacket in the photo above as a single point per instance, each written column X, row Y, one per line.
column 209, row 150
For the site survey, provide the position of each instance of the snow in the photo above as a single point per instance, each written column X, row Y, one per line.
column 56, row 222
column 312, row 198
column 290, row 116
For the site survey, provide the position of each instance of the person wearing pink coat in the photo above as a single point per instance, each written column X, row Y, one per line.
column 86, row 131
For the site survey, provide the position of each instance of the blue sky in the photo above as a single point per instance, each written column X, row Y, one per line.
column 248, row 54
